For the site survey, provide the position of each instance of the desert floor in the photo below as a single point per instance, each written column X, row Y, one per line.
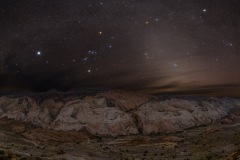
column 216, row 141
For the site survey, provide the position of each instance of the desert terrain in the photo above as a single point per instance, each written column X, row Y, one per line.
column 119, row 125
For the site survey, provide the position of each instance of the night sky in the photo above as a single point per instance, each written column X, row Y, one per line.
column 155, row 46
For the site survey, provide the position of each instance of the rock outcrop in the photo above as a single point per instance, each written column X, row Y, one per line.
column 178, row 114
column 117, row 113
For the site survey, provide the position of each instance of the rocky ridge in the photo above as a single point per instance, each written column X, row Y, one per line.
column 116, row 113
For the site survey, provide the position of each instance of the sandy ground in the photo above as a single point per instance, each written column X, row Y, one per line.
column 217, row 141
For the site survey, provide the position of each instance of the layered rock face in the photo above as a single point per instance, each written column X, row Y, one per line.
column 116, row 113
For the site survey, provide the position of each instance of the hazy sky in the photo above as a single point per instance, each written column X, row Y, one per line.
column 179, row 46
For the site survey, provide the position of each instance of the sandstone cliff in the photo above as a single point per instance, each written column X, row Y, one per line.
column 117, row 113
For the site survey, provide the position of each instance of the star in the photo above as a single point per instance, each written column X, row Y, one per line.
column 92, row 52
column 146, row 54
column 204, row 10
column 175, row 65
column 39, row 53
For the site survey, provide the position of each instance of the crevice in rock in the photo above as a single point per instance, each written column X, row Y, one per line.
column 137, row 122
column 110, row 102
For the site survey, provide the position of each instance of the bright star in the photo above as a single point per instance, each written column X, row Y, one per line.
column 39, row 53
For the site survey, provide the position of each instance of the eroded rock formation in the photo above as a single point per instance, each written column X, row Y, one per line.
column 117, row 113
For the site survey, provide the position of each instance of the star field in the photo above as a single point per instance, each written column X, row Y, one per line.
column 156, row 46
